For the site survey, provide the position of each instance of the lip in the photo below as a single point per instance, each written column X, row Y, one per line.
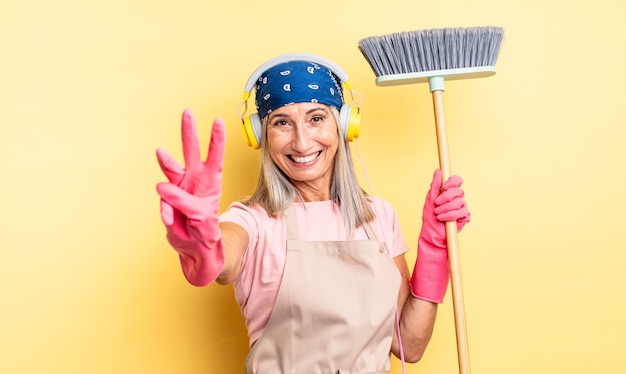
column 304, row 160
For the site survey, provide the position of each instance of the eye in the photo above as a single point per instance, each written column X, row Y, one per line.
column 317, row 119
column 279, row 123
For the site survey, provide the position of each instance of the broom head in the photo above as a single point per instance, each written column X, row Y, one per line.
column 416, row 56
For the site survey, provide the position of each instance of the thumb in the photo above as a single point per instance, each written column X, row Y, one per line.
column 191, row 206
column 174, row 196
column 167, row 213
column 435, row 186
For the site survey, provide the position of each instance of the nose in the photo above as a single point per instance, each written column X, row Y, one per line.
column 301, row 137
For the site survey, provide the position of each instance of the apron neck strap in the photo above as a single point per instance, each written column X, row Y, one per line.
column 291, row 219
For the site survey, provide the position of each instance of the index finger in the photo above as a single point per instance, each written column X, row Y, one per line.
column 453, row 181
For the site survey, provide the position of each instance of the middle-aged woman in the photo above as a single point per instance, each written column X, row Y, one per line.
column 317, row 265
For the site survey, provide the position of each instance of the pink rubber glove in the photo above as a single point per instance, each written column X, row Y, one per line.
column 190, row 203
column 443, row 203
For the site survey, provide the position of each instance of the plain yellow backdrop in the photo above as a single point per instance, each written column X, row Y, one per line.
column 89, row 90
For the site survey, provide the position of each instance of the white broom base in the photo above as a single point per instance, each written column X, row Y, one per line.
column 424, row 76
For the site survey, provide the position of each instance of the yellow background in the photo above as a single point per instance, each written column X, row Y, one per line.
column 89, row 90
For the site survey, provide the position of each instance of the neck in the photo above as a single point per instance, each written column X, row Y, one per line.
column 309, row 193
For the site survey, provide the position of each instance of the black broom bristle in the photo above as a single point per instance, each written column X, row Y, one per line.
column 434, row 49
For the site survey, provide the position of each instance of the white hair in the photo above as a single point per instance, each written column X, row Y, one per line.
column 274, row 191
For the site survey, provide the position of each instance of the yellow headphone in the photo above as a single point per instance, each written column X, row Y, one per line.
column 349, row 118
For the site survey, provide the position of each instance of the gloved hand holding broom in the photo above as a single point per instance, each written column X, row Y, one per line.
column 190, row 203
column 431, row 274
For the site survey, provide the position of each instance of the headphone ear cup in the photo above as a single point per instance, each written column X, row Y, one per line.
column 251, row 130
column 350, row 121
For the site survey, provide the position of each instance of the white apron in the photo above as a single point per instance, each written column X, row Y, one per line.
column 335, row 309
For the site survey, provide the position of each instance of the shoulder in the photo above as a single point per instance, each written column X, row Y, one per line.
column 382, row 208
column 388, row 223
column 253, row 218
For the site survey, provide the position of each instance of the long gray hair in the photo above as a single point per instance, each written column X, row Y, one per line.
column 274, row 191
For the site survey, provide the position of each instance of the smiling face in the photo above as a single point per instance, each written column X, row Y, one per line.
column 302, row 139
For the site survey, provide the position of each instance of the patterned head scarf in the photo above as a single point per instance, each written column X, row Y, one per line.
column 297, row 82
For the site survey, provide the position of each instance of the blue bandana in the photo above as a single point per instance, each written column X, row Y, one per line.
column 297, row 82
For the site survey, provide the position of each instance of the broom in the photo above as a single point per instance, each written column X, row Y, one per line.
column 433, row 56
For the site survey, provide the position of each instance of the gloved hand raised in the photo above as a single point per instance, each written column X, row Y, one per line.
column 429, row 280
column 190, row 202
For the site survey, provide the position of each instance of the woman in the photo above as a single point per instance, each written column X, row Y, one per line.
column 318, row 266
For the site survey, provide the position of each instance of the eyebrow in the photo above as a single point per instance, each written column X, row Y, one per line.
column 312, row 110
column 319, row 108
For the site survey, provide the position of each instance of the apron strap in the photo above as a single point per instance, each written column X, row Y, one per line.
column 371, row 235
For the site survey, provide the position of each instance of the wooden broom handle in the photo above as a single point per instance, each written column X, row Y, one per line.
column 452, row 240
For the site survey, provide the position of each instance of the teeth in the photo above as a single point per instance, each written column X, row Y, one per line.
column 304, row 160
